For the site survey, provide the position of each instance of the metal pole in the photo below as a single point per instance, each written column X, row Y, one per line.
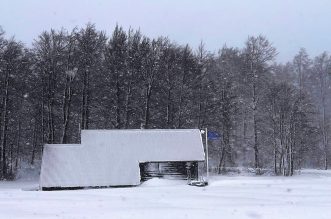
column 207, row 164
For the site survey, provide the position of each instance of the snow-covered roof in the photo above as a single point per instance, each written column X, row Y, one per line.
column 112, row 157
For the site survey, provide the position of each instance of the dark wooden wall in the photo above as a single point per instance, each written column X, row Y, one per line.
column 168, row 170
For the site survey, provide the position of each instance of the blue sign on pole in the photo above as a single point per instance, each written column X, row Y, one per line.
column 213, row 135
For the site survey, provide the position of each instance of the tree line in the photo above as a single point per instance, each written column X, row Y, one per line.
column 270, row 115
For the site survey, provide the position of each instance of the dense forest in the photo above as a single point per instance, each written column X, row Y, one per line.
column 270, row 115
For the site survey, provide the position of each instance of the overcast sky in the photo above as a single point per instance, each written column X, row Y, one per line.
column 289, row 24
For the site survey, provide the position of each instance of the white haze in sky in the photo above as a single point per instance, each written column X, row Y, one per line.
column 289, row 24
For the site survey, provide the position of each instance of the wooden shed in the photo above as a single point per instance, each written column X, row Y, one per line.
column 122, row 158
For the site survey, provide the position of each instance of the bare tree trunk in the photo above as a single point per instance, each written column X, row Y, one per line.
column 18, row 136
column 85, row 101
column 127, row 106
column 147, row 106
column 88, row 100
column 325, row 138
column 118, row 104
column 323, row 86
column 275, row 149
column 18, row 143
column 66, row 109
column 50, row 124
column 5, row 125
column 245, row 129
column 11, row 153
column 274, row 126
column 256, row 149
column 200, row 114
column 169, row 111
column 292, row 160
column 180, row 110
column 220, row 164
column 275, row 159
column 51, row 91
column 34, row 144
column 4, row 146
column 42, row 118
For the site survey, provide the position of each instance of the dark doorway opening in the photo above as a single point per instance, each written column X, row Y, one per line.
column 169, row 170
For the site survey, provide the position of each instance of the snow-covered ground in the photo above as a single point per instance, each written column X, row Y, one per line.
column 305, row 196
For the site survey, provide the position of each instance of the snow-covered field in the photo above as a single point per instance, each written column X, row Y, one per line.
column 305, row 196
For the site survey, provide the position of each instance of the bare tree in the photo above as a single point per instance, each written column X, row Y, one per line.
column 258, row 53
column 322, row 66
column 91, row 44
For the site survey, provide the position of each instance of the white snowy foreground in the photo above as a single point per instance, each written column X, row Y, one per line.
column 305, row 196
